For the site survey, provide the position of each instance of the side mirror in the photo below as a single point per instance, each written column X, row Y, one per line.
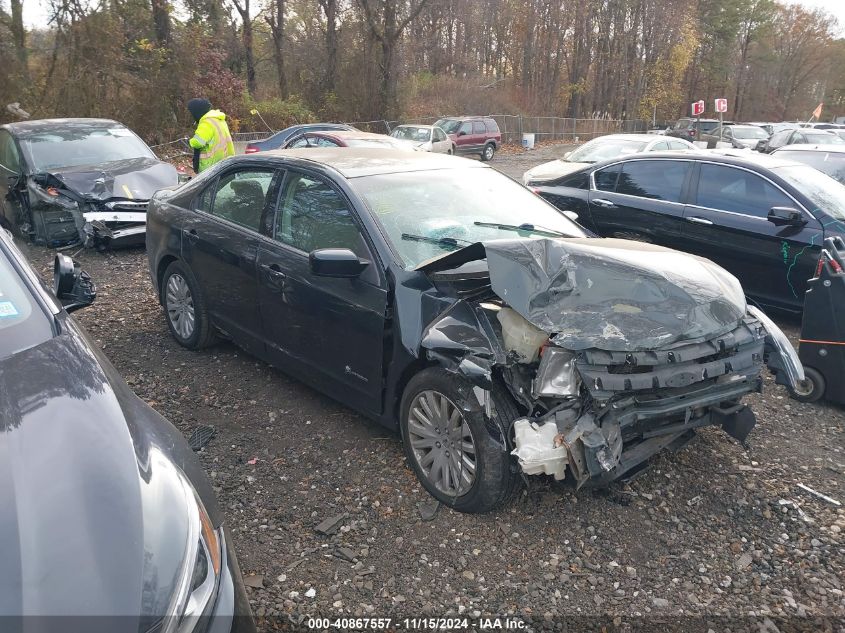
column 336, row 262
column 567, row 155
column 462, row 133
column 72, row 285
column 786, row 216
column 761, row 146
column 571, row 215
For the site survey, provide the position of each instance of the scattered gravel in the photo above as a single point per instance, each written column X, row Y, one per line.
column 329, row 521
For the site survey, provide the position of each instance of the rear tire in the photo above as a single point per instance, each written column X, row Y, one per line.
column 185, row 308
column 811, row 389
column 455, row 457
column 488, row 152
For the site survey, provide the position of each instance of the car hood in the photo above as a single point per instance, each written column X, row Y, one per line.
column 93, row 520
column 552, row 170
column 133, row 179
column 609, row 294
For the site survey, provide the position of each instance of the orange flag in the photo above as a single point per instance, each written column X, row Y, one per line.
column 818, row 111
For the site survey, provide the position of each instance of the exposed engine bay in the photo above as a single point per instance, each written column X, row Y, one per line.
column 614, row 350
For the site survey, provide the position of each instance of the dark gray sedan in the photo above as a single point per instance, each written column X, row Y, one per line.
column 440, row 297
column 107, row 522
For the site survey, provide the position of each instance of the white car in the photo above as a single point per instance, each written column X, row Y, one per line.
column 429, row 138
column 603, row 148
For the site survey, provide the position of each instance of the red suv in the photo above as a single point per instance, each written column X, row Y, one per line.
column 472, row 134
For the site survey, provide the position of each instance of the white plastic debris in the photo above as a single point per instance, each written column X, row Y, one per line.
column 520, row 336
column 535, row 449
column 819, row 495
column 311, row 593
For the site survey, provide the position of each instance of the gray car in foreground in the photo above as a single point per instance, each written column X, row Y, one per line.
column 107, row 522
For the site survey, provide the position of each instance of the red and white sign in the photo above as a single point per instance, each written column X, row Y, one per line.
column 721, row 105
column 698, row 108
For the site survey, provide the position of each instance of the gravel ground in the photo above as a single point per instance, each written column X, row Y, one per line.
column 713, row 537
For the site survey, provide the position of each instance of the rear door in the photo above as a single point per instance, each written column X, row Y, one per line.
column 440, row 142
column 479, row 134
column 220, row 239
column 641, row 199
column 330, row 330
column 726, row 221
column 463, row 138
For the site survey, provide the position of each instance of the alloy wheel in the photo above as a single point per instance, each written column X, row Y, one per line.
column 442, row 443
column 180, row 306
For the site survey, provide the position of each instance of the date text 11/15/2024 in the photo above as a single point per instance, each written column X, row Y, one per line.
column 417, row 624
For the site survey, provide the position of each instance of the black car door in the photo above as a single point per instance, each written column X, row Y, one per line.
column 570, row 193
column 220, row 239
column 10, row 179
column 641, row 199
column 726, row 221
column 329, row 329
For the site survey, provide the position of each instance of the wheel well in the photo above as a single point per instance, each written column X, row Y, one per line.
column 404, row 378
column 162, row 266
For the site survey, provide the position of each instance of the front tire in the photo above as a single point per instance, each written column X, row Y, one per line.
column 811, row 389
column 184, row 307
column 449, row 445
column 488, row 152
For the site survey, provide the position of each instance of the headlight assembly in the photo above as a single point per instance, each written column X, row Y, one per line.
column 52, row 196
column 200, row 572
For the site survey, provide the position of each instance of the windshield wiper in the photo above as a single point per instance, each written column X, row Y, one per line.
column 452, row 242
column 529, row 228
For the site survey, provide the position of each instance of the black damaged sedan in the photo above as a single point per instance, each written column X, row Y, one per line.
column 438, row 296
column 71, row 181
column 107, row 522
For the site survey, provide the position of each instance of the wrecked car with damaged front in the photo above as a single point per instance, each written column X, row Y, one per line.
column 78, row 181
column 402, row 285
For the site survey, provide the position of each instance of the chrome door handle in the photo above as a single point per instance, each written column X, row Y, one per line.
column 191, row 235
column 607, row 204
column 699, row 220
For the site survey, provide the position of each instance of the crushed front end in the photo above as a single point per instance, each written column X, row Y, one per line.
column 613, row 350
column 99, row 206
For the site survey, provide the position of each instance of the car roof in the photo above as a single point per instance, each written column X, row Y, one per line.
column 736, row 157
column 423, row 125
column 346, row 134
column 354, row 162
column 633, row 137
column 26, row 128
column 812, row 147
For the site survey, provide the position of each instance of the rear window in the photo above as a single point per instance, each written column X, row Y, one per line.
column 23, row 323
column 709, row 126
column 492, row 126
column 683, row 124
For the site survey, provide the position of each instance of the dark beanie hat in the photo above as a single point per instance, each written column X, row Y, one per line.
column 198, row 107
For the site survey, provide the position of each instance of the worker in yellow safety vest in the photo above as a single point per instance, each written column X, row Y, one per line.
column 212, row 141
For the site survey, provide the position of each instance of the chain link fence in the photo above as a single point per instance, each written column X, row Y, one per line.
column 512, row 126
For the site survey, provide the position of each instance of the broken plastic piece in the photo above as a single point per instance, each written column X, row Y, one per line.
column 818, row 494
column 201, row 437
column 520, row 337
column 536, row 449
column 556, row 376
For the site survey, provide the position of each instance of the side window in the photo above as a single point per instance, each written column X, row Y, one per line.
column 576, row 181
column 319, row 141
column 312, row 215
column 653, row 179
column 660, row 147
column 737, row 190
column 204, row 200
column 466, row 128
column 300, row 142
column 781, row 138
column 478, row 128
column 9, row 153
column 240, row 197
column 727, row 133
column 673, row 145
column 492, row 126
column 606, row 178
column 439, row 135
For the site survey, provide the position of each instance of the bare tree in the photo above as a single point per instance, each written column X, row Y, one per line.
column 243, row 9
column 386, row 28
column 275, row 19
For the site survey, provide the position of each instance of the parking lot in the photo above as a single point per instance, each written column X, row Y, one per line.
column 707, row 535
